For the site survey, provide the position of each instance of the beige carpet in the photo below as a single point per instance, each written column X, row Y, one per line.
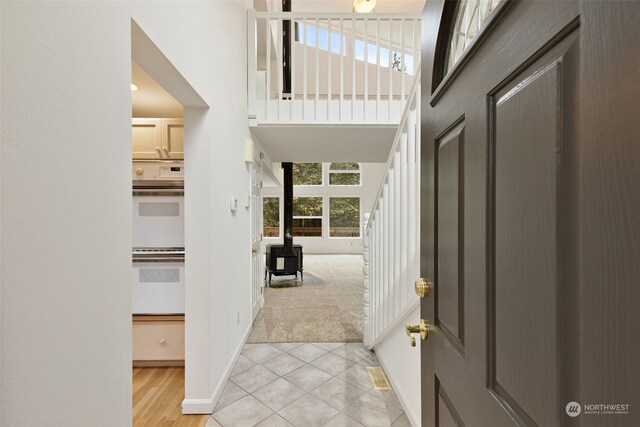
column 331, row 312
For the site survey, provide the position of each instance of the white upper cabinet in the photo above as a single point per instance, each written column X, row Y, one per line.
column 158, row 139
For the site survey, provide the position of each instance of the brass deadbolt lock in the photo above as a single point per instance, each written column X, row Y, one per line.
column 423, row 287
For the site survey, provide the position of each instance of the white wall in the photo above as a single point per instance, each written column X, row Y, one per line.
column 401, row 363
column 66, row 202
column 371, row 178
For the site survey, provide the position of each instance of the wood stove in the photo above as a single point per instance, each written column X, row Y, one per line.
column 285, row 259
column 280, row 264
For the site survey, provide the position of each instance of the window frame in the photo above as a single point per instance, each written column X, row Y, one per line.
column 344, row 171
column 359, row 236
column 280, row 212
column 320, row 217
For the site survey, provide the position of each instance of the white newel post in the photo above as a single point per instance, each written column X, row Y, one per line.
column 365, row 269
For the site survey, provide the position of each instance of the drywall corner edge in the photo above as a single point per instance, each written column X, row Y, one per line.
column 206, row 406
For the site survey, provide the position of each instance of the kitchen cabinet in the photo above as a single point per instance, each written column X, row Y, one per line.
column 158, row 340
column 157, row 139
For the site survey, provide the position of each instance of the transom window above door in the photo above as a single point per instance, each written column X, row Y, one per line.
column 462, row 22
column 470, row 16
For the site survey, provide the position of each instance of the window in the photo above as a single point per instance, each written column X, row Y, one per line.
column 307, row 216
column 344, row 174
column 271, row 216
column 319, row 37
column 307, row 174
column 314, row 35
column 396, row 57
column 470, row 16
column 344, row 216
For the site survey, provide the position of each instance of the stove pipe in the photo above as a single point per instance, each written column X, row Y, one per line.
column 288, row 209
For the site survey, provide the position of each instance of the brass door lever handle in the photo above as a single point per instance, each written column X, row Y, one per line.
column 423, row 329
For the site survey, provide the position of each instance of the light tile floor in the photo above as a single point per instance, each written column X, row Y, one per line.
column 305, row 385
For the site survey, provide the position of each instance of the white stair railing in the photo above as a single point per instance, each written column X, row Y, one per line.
column 345, row 68
column 391, row 230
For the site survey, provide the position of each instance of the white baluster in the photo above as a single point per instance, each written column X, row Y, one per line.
column 366, row 69
column 252, row 51
column 330, row 70
column 267, row 98
column 304, row 71
column 342, row 48
column 353, row 69
column 404, row 221
column 397, row 212
column 378, row 65
column 402, row 62
column 279, row 63
column 292, row 47
column 315, row 109
column 366, row 241
column 390, row 88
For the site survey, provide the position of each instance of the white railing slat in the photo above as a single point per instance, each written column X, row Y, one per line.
column 378, row 65
column 329, row 70
column 342, row 47
column 292, row 31
column 390, row 69
column 304, row 75
column 403, row 61
column 356, row 46
column 353, row 69
column 267, row 98
column 252, row 64
column 279, row 65
column 366, row 69
column 317, row 67
column 395, row 262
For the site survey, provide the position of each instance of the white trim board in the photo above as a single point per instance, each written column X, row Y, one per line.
column 206, row 406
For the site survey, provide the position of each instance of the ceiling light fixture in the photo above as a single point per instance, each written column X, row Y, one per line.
column 133, row 87
column 364, row 6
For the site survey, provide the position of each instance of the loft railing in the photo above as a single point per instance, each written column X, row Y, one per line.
column 344, row 68
column 391, row 246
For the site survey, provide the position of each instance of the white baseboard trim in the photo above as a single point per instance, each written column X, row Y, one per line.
column 400, row 393
column 197, row 406
column 206, row 406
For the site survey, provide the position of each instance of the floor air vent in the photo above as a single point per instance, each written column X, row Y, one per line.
column 378, row 378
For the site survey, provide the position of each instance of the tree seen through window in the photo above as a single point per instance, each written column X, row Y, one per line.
column 271, row 216
column 344, row 216
column 307, row 174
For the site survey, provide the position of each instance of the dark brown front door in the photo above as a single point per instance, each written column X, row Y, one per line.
column 504, row 161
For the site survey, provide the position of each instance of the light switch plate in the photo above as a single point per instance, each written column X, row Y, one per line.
column 233, row 204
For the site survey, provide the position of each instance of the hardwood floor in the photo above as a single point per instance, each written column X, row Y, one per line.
column 157, row 399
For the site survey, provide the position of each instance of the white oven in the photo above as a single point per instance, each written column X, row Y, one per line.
column 158, row 285
column 158, row 238
column 158, row 204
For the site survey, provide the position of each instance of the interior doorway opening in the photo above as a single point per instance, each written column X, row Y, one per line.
column 324, row 301
column 164, row 104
